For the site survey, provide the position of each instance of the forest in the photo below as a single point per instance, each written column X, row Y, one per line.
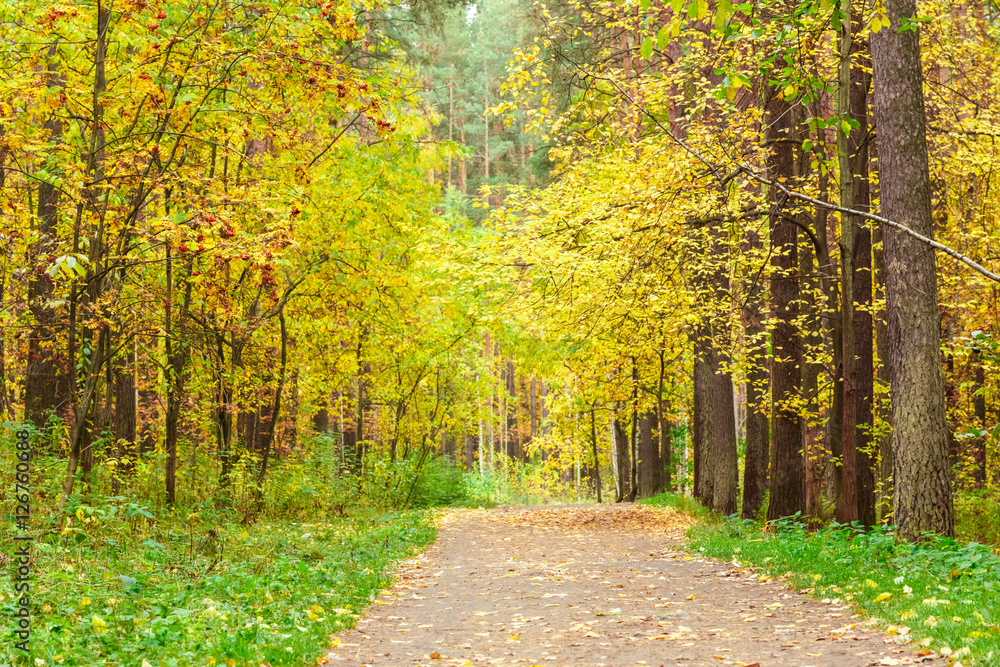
column 269, row 265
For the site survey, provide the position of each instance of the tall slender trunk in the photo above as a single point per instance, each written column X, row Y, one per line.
column 42, row 393
column 978, row 391
column 663, row 429
column 593, row 442
column 125, row 409
column 786, row 492
column 847, row 509
column 757, row 428
column 268, row 437
column 178, row 352
column 864, row 360
column 922, row 477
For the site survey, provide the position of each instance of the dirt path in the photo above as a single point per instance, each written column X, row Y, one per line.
column 595, row 585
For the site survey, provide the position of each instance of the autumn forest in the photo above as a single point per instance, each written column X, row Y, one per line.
column 277, row 263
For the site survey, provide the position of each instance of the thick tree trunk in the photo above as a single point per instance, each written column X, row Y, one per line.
column 649, row 457
column 722, row 434
column 922, row 477
column 786, row 492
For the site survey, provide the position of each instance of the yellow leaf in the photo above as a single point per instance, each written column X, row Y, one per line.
column 882, row 597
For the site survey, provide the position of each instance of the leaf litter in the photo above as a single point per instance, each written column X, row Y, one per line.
column 597, row 585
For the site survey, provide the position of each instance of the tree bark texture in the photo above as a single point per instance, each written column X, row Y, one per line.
column 922, row 477
column 786, row 492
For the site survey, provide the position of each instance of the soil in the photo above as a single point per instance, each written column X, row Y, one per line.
column 598, row 585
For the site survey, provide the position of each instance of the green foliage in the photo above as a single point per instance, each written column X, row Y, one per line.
column 124, row 584
column 943, row 591
column 441, row 484
column 976, row 516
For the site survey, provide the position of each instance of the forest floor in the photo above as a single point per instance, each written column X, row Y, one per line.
column 597, row 585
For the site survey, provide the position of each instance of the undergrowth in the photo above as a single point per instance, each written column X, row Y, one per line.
column 224, row 577
column 123, row 586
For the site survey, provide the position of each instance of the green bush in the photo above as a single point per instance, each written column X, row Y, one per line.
column 976, row 516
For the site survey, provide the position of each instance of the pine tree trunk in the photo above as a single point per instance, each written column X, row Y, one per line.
column 786, row 493
column 922, row 477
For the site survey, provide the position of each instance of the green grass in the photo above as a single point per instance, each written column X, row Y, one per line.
column 125, row 585
column 684, row 504
column 944, row 594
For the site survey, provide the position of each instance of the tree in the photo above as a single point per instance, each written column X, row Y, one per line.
column 922, row 501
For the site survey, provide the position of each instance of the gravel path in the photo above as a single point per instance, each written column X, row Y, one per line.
column 596, row 585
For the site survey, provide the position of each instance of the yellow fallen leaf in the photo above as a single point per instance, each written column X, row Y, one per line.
column 435, row 656
column 882, row 597
column 690, row 597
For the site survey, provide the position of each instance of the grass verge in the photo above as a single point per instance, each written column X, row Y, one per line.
column 943, row 594
column 122, row 588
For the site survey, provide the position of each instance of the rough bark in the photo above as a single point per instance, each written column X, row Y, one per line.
column 649, row 457
column 922, row 500
column 757, row 427
column 786, row 492
column 42, row 391
column 125, row 409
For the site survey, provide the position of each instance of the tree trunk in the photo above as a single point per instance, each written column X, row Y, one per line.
column 786, row 493
column 663, row 429
column 863, row 369
column 978, row 391
column 703, row 483
column 649, row 456
column 597, row 459
column 42, row 391
column 622, row 458
column 124, row 430
column 757, row 428
column 267, row 438
column 922, row 477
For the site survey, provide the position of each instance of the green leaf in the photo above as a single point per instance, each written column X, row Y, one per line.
column 693, row 10
column 646, row 50
column 644, row 4
column 677, row 5
column 663, row 38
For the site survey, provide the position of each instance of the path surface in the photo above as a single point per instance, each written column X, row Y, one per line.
column 596, row 585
